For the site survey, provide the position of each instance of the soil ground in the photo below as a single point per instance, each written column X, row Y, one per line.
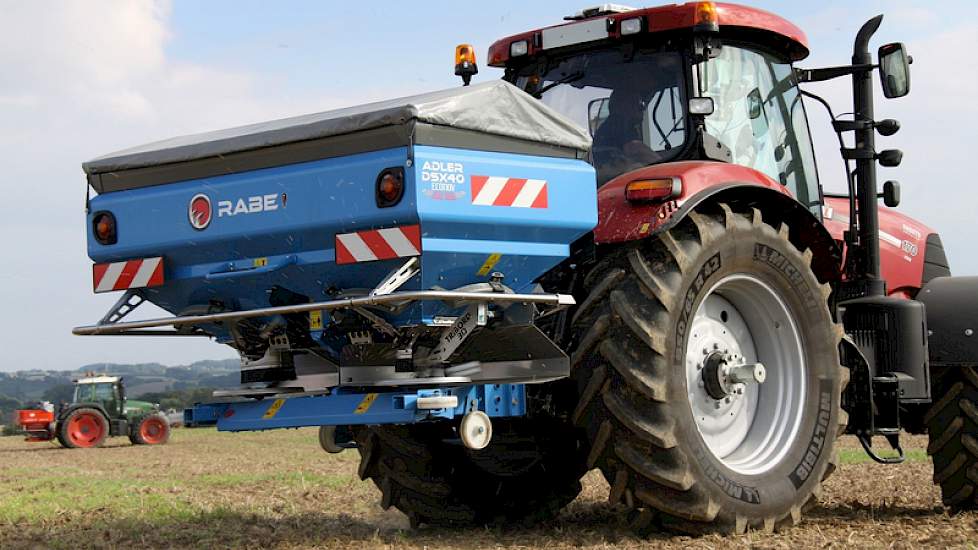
column 279, row 490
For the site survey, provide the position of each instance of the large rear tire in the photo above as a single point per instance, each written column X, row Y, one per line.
column 84, row 427
column 662, row 320
column 527, row 474
column 952, row 428
column 153, row 429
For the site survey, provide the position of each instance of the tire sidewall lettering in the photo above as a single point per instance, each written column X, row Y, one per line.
column 754, row 252
column 690, row 302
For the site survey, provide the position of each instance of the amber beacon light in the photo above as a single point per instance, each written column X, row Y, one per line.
column 706, row 17
column 465, row 66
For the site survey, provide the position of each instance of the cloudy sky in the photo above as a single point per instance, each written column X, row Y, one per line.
column 82, row 78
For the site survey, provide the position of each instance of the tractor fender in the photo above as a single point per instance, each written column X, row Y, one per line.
column 621, row 221
column 65, row 411
column 952, row 320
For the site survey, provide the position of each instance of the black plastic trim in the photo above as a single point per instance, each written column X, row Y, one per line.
column 951, row 304
column 935, row 260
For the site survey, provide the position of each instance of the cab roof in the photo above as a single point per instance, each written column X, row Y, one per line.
column 97, row 380
column 751, row 24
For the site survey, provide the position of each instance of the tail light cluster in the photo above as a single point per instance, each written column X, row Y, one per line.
column 653, row 190
column 390, row 187
column 104, row 228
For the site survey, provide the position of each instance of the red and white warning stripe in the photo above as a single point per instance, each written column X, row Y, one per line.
column 378, row 244
column 512, row 192
column 147, row 272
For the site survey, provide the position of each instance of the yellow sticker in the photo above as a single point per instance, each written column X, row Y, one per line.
column 315, row 320
column 489, row 264
column 260, row 262
column 273, row 409
column 364, row 405
column 644, row 229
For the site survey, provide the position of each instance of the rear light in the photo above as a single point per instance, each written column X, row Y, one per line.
column 390, row 187
column 104, row 228
column 653, row 190
column 498, row 55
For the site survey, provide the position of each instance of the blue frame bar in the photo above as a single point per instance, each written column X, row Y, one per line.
column 343, row 408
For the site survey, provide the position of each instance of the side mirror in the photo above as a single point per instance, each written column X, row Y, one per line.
column 894, row 70
column 597, row 112
column 755, row 105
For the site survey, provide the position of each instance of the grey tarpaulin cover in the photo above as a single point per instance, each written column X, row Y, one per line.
column 496, row 108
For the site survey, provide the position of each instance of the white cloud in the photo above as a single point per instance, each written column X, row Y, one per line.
column 79, row 80
column 80, row 46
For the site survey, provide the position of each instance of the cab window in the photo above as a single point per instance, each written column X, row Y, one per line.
column 632, row 105
column 759, row 116
column 104, row 392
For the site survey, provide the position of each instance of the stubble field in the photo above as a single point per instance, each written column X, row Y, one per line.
column 279, row 490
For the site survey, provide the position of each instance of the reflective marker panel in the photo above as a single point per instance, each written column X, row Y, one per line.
column 140, row 273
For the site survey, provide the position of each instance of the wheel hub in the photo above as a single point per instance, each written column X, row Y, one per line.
column 726, row 375
column 746, row 414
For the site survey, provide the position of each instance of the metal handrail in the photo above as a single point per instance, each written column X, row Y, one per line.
column 553, row 300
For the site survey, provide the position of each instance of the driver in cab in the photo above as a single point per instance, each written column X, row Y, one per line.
column 618, row 145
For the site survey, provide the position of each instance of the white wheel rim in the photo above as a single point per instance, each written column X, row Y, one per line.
column 746, row 320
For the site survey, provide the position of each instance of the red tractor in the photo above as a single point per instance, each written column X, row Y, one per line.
column 732, row 318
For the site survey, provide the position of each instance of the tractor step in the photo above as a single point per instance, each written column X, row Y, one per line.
column 893, row 439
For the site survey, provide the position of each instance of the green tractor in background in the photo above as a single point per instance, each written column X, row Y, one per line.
column 98, row 410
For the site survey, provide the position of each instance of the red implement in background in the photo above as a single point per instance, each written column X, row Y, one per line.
column 37, row 423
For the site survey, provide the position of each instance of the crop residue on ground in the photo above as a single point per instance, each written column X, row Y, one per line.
column 279, row 489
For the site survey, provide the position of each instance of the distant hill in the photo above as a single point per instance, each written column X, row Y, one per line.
column 26, row 386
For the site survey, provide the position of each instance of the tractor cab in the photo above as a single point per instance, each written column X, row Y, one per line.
column 107, row 391
column 698, row 81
